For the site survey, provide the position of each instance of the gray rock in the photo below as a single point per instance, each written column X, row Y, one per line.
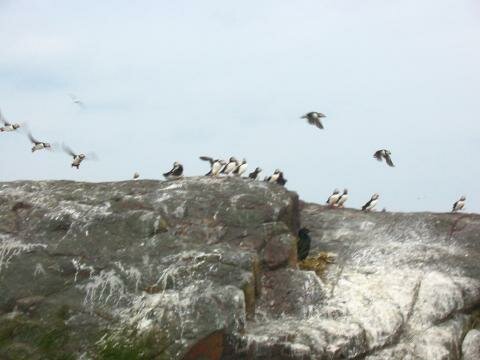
column 471, row 345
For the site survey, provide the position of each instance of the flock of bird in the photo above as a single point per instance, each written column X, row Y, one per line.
column 219, row 167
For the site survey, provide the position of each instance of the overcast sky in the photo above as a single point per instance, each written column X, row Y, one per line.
column 172, row 80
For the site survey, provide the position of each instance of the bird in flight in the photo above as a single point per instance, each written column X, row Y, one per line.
column 6, row 125
column 78, row 158
column 384, row 154
column 77, row 101
column 38, row 145
column 314, row 118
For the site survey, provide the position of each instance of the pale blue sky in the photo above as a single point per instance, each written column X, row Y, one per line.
column 172, row 80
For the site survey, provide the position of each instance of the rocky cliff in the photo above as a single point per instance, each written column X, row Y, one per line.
column 206, row 269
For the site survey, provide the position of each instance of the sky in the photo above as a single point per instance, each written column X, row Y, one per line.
column 173, row 80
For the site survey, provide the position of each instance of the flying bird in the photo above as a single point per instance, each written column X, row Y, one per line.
column 216, row 166
column 303, row 244
column 254, row 174
column 6, row 125
column 240, row 169
column 38, row 145
column 342, row 199
column 371, row 203
column 459, row 204
column 314, row 118
column 78, row 158
column 231, row 166
column 77, row 101
column 384, row 154
column 332, row 200
column 176, row 172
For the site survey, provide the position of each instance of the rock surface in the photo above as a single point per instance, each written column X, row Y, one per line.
column 206, row 268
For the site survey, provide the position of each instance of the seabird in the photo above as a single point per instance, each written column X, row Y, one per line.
column 6, row 125
column 216, row 166
column 341, row 200
column 77, row 158
column 38, row 145
column 332, row 200
column 371, row 203
column 136, row 175
column 277, row 178
column 254, row 174
column 303, row 244
column 231, row 166
column 384, row 154
column 240, row 169
column 314, row 118
column 459, row 204
column 175, row 173
column 77, row 101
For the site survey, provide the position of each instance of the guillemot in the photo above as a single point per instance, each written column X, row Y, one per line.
column 216, row 166
column 314, row 118
column 371, row 203
column 254, row 174
column 240, row 169
column 342, row 199
column 459, row 204
column 175, row 173
column 38, row 145
column 384, row 154
column 332, row 199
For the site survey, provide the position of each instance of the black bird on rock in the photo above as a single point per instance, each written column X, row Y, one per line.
column 303, row 244
column 254, row 174
column 175, row 173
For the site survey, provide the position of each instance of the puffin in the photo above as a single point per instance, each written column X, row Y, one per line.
column 332, row 200
column 342, row 199
column 216, row 166
column 371, row 203
column 136, row 175
column 254, row 174
column 175, row 173
column 303, row 244
column 384, row 154
column 231, row 166
column 240, row 169
column 314, row 118
column 77, row 158
column 38, row 145
column 6, row 125
column 459, row 204
column 276, row 178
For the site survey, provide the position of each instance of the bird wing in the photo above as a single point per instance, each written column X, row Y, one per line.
column 364, row 207
column 177, row 171
column 389, row 161
column 2, row 118
column 32, row 139
column 378, row 155
column 206, row 158
column 315, row 121
column 68, row 150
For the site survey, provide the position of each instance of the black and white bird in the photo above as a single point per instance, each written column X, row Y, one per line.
column 77, row 101
column 342, row 199
column 332, row 199
column 314, row 118
column 384, row 154
column 216, row 166
column 136, row 175
column 175, row 173
column 231, row 166
column 7, row 126
column 38, row 145
column 277, row 178
column 303, row 244
column 459, row 204
column 371, row 203
column 241, row 168
column 254, row 174
column 77, row 158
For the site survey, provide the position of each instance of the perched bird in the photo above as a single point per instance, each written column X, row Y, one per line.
column 384, row 154
column 303, row 244
column 342, row 199
column 281, row 180
column 6, row 125
column 332, row 200
column 216, row 166
column 231, row 166
column 38, row 145
column 254, row 174
column 276, row 178
column 175, row 173
column 240, row 169
column 371, row 203
column 77, row 101
column 136, row 175
column 459, row 204
column 314, row 118
column 77, row 158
